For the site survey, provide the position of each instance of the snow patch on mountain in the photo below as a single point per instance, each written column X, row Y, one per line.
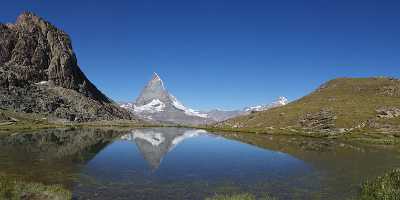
column 153, row 106
column 42, row 83
column 187, row 111
column 281, row 101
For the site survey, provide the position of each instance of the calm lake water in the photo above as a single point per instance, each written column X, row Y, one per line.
column 176, row 163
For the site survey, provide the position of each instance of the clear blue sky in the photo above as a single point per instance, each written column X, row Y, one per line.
column 225, row 54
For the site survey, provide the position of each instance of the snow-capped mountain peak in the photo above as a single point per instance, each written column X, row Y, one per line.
column 157, row 78
column 155, row 102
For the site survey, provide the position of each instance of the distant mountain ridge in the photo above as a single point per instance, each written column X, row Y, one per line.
column 155, row 103
column 281, row 101
column 222, row 115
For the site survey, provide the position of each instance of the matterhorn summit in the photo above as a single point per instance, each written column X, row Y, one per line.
column 155, row 103
column 153, row 92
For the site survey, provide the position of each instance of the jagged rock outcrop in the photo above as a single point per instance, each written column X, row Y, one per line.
column 39, row 73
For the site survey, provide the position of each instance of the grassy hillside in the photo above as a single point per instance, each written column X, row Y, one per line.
column 338, row 106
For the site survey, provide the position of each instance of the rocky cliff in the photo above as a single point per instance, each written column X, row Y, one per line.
column 39, row 73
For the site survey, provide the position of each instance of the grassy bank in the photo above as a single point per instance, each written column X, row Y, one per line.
column 12, row 189
column 244, row 196
column 11, row 122
column 362, row 136
column 386, row 187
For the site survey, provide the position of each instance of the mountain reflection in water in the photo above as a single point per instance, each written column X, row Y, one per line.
column 178, row 163
column 154, row 144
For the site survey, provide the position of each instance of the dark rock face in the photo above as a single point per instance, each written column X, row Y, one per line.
column 39, row 73
column 33, row 50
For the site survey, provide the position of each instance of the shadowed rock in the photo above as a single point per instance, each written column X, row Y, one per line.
column 39, row 73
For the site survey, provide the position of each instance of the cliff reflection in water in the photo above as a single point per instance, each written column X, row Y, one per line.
column 51, row 156
column 36, row 155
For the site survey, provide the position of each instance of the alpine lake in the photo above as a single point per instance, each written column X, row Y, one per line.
column 179, row 163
